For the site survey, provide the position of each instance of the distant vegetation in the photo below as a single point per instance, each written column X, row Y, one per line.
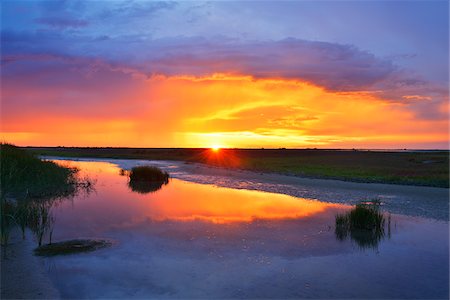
column 428, row 168
column 29, row 189
column 365, row 224
column 146, row 179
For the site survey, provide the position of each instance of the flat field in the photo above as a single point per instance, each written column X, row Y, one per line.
column 427, row 168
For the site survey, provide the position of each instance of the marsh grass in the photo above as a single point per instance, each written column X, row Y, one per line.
column 71, row 247
column 428, row 168
column 364, row 224
column 147, row 179
column 24, row 175
column 148, row 174
column 40, row 219
column 8, row 214
column 30, row 188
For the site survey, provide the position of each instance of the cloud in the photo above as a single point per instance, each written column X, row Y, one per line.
column 53, row 85
column 133, row 10
column 334, row 66
column 61, row 23
column 66, row 60
column 89, row 102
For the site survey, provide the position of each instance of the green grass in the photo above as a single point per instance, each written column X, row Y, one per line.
column 24, row 175
column 395, row 168
column 29, row 189
column 409, row 168
column 365, row 224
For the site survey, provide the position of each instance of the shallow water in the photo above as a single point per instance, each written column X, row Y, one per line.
column 190, row 240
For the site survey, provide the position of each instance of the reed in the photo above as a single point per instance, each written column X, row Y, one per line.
column 29, row 189
column 364, row 224
column 148, row 174
column 147, row 179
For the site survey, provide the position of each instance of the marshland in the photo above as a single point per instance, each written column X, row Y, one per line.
column 224, row 149
column 174, row 228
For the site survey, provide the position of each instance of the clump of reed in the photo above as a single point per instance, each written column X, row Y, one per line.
column 364, row 224
column 148, row 174
column 25, row 175
column 29, row 189
column 146, row 179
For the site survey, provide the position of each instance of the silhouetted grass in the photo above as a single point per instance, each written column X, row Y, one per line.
column 29, row 189
column 24, row 175
column 149, row 174
column 365, row 224
column 146, row 179
column 8, row 213
column 40, row 220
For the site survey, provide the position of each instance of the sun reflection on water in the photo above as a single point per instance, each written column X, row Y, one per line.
column 186, row 201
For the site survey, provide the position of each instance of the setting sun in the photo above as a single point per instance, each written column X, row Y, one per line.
column 215, row 148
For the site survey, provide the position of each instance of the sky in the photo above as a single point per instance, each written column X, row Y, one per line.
column 247, row 74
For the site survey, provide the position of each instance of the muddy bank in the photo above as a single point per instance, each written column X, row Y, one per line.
column 23, row 275
column 429, row 202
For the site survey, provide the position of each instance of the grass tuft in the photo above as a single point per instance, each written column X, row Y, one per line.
column 146, row 179
column 365, row 224
column 149, row 174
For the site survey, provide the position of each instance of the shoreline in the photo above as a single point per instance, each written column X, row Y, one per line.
column 23, row 275
column 404, row 168
column 422, row 201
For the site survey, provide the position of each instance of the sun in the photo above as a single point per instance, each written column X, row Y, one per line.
column 215, row 148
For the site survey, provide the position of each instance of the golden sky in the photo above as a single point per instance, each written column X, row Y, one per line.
column 231, row 111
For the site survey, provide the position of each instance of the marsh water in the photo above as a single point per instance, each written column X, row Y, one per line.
column 192, row 240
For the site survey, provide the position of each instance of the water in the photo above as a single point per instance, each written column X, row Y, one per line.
column 190, row 240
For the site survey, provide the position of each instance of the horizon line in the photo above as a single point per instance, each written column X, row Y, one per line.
column 245, row 148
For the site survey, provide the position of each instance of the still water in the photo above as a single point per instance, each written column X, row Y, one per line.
column 190, row 240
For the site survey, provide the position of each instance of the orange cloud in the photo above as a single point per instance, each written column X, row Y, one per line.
column 232, row 111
